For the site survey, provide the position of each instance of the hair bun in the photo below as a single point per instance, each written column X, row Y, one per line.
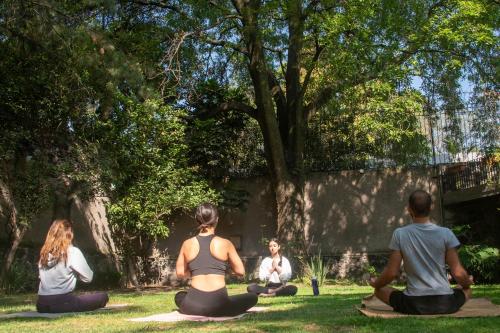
column 206, row 215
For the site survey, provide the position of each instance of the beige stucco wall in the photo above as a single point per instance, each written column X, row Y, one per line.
column 346, row 212
column 253, row 223
column 357, row 211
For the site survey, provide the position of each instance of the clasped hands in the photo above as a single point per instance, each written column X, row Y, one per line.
column 275, row 266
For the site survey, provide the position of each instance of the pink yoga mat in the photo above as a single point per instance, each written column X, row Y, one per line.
column 176, row 316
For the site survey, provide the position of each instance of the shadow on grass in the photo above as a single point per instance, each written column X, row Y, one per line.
column 129, row 309
column 8, row 301
column 335, row 310
column 327, row 313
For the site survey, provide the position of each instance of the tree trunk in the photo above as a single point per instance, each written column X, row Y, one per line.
column 290, row 217
column 288, row 193
column 132, row 272
column 94, row 211
column 294, row 93
column 16, row 238
column 62, row 206
column 17, row 232
column 64, row 196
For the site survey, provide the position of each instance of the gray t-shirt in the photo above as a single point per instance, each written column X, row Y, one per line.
column 423, row 248
column 60, row 278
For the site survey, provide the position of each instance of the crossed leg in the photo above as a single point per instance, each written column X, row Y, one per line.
column 384, row 294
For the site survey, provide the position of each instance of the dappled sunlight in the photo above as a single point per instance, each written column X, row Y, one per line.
column 334, row 309
column 360, row 208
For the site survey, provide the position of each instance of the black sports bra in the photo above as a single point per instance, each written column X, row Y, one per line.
column 205, row 262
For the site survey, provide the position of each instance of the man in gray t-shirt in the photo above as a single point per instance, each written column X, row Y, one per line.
column 425, row 249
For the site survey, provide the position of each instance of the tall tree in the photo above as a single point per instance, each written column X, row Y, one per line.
column 53, row 70
column 80, row 116
column 296, row 56
column 38, row 102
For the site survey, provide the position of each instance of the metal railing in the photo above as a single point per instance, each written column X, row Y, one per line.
column 464, row 144
column 466, row 175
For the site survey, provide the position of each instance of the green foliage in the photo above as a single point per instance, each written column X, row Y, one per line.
column 370, row 270
column 368, row 126
column 54, row 73
column 29, row 184
column 461, row 230
column 485, row 123
column 483, row 262
column 315, row 268
column 78, row 97
column 223, row 144
column 150, row 176
column 21, row 278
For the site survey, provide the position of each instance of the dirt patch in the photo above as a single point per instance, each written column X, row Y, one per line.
column 312, row 328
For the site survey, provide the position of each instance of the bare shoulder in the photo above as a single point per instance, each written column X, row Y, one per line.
column 220, row 243
column 188, row 243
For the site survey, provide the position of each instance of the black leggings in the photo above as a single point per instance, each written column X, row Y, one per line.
column 431, row 304
column 215, row 303
column 71, row 303
column 288, row 290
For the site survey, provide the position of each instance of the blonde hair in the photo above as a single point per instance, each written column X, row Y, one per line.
column 56, row 244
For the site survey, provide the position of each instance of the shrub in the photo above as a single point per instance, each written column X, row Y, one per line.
column 481, row 261
column 102, row 280
column 22, row 277
column 315, row 267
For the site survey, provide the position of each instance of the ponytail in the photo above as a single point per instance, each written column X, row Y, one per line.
column 207, row 216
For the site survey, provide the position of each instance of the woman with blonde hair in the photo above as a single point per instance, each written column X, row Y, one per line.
column 205, row 258
column 60, row 265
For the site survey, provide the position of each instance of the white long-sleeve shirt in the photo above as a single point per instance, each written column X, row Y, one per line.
column 60, row 278
column 265, row 268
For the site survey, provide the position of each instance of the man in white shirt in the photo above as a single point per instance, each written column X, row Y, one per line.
column 425, row 249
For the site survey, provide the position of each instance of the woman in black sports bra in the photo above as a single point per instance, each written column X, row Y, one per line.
column 205, row 258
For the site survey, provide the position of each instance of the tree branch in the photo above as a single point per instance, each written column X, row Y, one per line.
column 223, row 43
column 277, row 92
column 326, row 93
column 161, row 4
column 232, row 106
column 315, row 58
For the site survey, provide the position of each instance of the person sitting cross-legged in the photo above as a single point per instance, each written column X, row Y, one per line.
column 61, row 264
column 425, row 250
column 275, row 271
column 205, row 259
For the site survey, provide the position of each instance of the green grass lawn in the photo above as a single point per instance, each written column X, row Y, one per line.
column 332, row 311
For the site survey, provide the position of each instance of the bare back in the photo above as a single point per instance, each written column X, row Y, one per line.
column 220, row 249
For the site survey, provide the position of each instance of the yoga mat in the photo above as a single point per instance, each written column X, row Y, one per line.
column 35, row 314
column 474, row 307
column 176, row 316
